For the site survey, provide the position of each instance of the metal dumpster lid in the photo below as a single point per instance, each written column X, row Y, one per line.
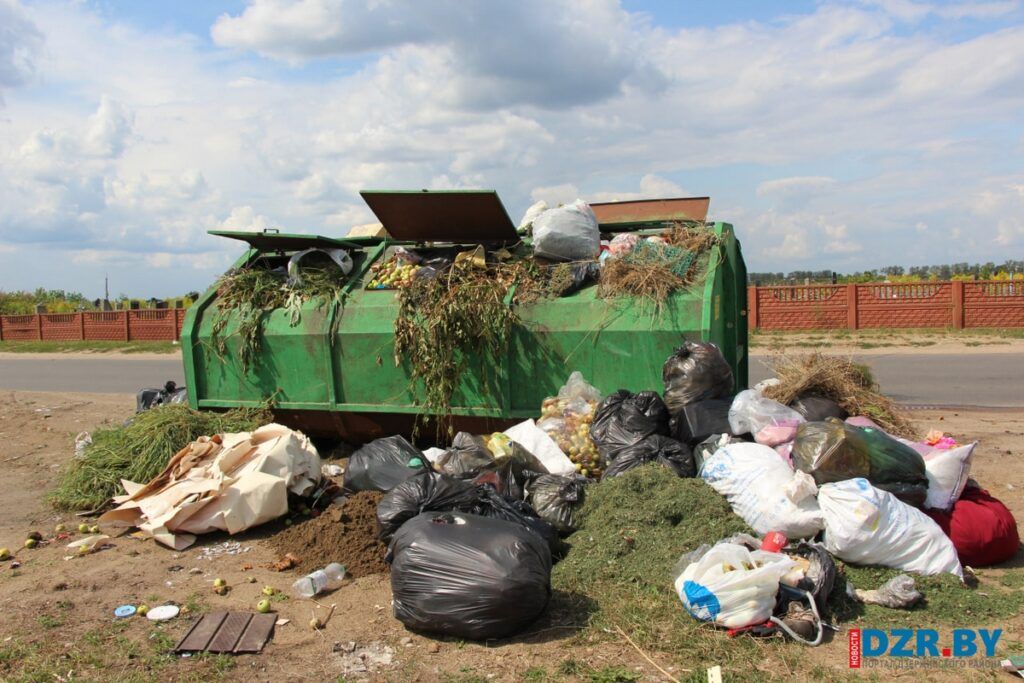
column 272, row 240
column 475, row 216
column 652, row 210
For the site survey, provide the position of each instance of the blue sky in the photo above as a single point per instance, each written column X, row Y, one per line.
column 836, row 134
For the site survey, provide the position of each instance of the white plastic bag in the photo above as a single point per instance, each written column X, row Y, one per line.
column 770, row 422
column 755, row 481
column 866, row 525
column 947, row 472
column 536, row 209
column 567, row 233
column 731, row 585
column 534, row 439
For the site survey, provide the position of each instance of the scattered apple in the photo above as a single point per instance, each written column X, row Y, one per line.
column 268, row 590
column 94, row 529
column 31, row 543
column 5, row 554
column 83, row 528
column 84, row 550
column 263, row 606
column 316, row 624
column 142, row 610
column 252, row 579
column 59, row 529
column 219, row 582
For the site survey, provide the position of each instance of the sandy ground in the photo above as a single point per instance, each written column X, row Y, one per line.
column 60, row 606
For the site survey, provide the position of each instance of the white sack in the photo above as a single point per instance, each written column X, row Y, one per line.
column 755, row 480
column 536, row 209
column 947, row 472
column 865, row 525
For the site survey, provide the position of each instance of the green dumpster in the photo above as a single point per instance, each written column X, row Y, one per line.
column 333, row 371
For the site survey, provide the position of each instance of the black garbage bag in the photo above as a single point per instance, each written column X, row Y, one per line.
column 835, row 451
column 697, row 421
column 624, row 419
column 466, row 457
column 490, row 503
column 170, row 393
column 657, row 448
column 818, row 408
column 820, row 575
column 424, row 492
column 557, row 499
column 695, row 371
column 508, row 475
column 467, row 576
column 383, row 464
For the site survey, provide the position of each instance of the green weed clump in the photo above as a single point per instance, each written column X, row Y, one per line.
column 140, row 450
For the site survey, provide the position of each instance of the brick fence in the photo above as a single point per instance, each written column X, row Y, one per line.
column 158, row 324
column 954, row 304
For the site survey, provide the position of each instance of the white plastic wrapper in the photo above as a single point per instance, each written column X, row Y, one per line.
column 567, row 233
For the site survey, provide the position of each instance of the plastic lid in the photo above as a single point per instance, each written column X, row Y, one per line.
column 163, row 612
column 124, row 611
column 460, row 216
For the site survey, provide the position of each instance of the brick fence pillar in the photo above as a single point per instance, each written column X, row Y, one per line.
column 958, row 304
column 81, row 325
column 127, row 332
column 39, row 326
column 852, row 315
column 753, row 318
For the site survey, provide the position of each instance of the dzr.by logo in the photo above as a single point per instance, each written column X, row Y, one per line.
column 921, row 642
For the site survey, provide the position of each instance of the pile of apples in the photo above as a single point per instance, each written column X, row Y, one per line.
column 392, row 274
column 570, row 429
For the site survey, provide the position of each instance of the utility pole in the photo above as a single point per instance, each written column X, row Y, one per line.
column 106, row 287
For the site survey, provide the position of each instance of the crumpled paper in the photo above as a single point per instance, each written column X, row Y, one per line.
column 227, row 482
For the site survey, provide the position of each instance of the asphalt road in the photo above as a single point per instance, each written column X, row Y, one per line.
column 989, row 379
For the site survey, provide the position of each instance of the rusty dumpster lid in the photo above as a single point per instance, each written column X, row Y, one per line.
column 272, row 240
column 651, row 210
column 474, row 216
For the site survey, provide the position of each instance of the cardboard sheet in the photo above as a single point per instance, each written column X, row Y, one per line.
column 228, row 482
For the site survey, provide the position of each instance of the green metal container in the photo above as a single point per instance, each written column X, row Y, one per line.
column 334, row 372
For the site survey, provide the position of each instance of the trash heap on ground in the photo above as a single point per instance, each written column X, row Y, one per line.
column 753, row 496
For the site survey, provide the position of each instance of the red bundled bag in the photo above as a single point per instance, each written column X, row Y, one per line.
column 982, row 529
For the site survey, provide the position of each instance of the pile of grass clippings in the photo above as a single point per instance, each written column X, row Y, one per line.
column 849, row 384
column 445, row 321
column 694, row 237
column 633, row 529
column 140, row 450
column 248, row 294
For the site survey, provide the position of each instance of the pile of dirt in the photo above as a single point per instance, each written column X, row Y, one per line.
column 345, row 533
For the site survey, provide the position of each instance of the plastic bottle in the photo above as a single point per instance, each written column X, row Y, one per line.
column 327, row 579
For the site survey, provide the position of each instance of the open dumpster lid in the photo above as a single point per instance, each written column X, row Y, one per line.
column 475, row 216
column 272, row 240
column 651, row 210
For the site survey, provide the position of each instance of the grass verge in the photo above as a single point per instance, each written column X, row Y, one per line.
column 88, row 347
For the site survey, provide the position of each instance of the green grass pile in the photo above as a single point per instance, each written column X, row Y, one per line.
column 140, row 451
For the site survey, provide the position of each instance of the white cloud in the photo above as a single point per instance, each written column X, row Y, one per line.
column 794, row 246
column 244, row 218
column 795, row 185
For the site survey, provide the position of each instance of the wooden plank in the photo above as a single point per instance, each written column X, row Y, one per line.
column 257, row 633
column 201, row 633
column 229, row 633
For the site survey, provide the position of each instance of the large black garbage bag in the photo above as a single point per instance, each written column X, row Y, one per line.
column 697, row 421
column 820, row 575
column 694, row 372
column 557, row 499
column 665, row 450
column 467, row 576
column 424, row 492
column 835, row 451
column 818, row 408
column 624, row 419
column 383, row 464
column 467, row 456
